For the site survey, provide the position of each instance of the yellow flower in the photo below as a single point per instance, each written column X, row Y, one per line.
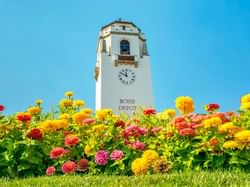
column 243, row 138
column 212, row 122
column 150, row 155
column 229, row 128
column 88, row 150
column 98, row 129
column 53, row 125
column 245, row 99
column 161, row 165
column 139, row 166
column 65, row 103
column 39, row 102
column 87, row 111
column 64, row 116
column 34, row 110
column 69, row 94
column 79, row 117
column 230, row 144
column 103, row 113
column 167, row 114
column 78, row 103
column 184, row 104
column 245, row 106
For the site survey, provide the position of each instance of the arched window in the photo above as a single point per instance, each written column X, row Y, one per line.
column 124, row 47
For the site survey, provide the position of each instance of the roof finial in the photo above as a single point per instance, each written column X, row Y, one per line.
column 119, row 19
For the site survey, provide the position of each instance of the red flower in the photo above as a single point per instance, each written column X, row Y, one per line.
column 179, row 119
column 88, row 121
column 68, row 167
column 57, row 152
column 212, row 107
column 120, row 123
column 2, row 108
column 83, row 165
column 35, row 134
column 71, row 140
column 50, row 170
column 181, row 125
column 187, row 132
column 149, row 111
column 23, row 116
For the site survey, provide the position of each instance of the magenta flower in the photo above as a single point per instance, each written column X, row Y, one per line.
column 101, row 157
column 117, row 155
column 50, row 170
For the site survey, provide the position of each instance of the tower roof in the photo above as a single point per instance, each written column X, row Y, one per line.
column 119, row 21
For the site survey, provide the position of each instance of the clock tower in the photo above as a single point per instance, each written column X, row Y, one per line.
column 122, row 71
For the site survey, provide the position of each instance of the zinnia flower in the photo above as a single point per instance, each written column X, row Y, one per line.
column 88, row 150
column 243, row 138
column 184, row 104
column 83, row 165
column 230, row 144
column 50, row 170
column 149, row 111
column 140, row 166
column 101, row 157
column 187, row 132
column 78, row 103
column 88, row 121
column 69, row 94
column 57, row 152
column 2, row 108
column 161, row 165
column 150, row 155
column 167, row 114
column 212, row 107
column 116, row 155
column 71, row 140
column 34, row 110
column 39, row 102
column 228, row 128
column 79, row 117
column 103, row 113
column 65, row 103
column 212, row 122
column 214, row 142
column 245, row 106
column 23, row 116
column 69, row 167
column 245, row 99
column 137, row 145
column 35, row 134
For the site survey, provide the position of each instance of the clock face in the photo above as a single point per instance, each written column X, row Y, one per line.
column 126, row 76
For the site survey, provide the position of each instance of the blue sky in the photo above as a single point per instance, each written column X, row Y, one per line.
column 198, row 48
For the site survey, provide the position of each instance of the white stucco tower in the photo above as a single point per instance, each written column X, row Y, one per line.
column 122, row 72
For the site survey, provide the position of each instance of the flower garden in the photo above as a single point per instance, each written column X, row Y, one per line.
column 75, row 140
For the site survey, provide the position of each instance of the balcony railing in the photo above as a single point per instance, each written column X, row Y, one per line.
column 125, row 60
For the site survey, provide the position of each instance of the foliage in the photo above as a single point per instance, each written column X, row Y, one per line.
column 73, row 140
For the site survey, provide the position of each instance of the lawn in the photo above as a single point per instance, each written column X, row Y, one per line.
column 187, row 178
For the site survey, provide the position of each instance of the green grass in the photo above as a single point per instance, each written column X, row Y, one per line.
column 217, row 178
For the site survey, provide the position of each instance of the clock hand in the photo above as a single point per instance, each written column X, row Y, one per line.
column 124, row 74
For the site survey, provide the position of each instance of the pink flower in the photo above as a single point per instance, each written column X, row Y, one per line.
column 88, row 121
column 117, row 155
column 57, row 152
column 50, row 170
column 133, row 130
column 137, row 145
column 156, row 129
column 68, row 167
column 71, row 140
column 101, row 157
